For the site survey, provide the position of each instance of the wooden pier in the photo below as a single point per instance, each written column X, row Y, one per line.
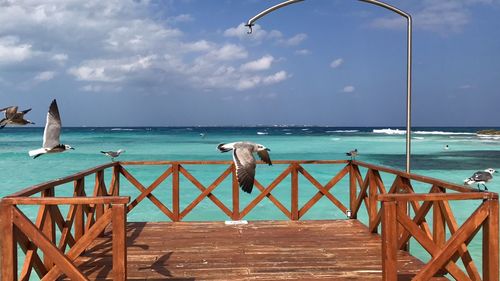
column 93, row 241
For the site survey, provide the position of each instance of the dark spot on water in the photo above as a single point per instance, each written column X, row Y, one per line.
column 447, row 160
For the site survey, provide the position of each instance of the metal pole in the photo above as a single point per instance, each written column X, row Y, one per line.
column 251, row 22
column 408, row 72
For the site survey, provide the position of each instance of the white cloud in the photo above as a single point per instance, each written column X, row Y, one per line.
column 336, row 63
column 303, row 52
column 110, row 70
column 12, row 51
column 258, row 65
column 348, row 89
column 227, row 52
column 276, row 77
column 45, row 76
column 259, row 34
column 438, row 16
column 295, row 40
column 181, row 18
column 114, row 45
column 60, row 58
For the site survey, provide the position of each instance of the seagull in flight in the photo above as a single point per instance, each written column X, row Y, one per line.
column 51, row 134
column 352, row 153
column 113, row 154
column 481, row 178
column 244, row 161
column 14, row 117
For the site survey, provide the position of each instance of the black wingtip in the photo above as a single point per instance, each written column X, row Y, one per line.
column 221, row 148
column 247, row 189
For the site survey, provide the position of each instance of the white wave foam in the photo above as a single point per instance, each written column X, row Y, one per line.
column 489, row 137
column 342, row 131
column 122, row 129
column 262, row 133
column 389, row 131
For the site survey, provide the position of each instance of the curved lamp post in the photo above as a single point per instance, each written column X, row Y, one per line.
column 251, row 22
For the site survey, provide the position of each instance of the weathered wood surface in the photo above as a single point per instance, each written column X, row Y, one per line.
column 263, row 250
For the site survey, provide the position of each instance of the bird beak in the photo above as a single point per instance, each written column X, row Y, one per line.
column 72, row 148
column 268, row 149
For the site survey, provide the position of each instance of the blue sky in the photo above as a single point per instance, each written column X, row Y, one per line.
column 175, row 63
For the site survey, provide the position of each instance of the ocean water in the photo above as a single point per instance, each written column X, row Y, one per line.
column 467, row 153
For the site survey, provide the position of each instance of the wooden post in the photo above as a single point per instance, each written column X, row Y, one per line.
column 352, row 189
column 175, row 191
column 79, row 225
column 119, row 221
column 49, row 228
column 295, row 192
column 116, row 181
column 438, row 223
column 389, row 241
column 98, row 191
column 8, row 254
column 236, row 195
column 372, row 208
column 490, row 243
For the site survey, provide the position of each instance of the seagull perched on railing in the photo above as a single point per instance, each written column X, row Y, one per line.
column 481, row 178
column 352, row 153
column 51, row 134
column 113, row 154
column 244, row 160
column 14, row 117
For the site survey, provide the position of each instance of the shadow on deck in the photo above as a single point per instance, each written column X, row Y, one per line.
column 260, row 250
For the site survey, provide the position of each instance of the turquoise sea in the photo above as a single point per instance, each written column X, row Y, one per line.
column 467, row 153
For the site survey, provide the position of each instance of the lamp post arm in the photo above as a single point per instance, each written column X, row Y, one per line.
column 251, row 21
column 408, row 72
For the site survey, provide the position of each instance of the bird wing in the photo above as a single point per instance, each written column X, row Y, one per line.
column 481, row 176
column 52, row 127
column 264, row 156
column 245, row 168
column 10, row 111
column 26, row 111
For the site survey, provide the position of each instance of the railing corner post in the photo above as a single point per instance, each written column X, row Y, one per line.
column 490, row 243
column 119, row 222
column 236, row 194
column 295, row 192
column 389, row 241
column 352, row 190
column 175, row 191
column 8, row 247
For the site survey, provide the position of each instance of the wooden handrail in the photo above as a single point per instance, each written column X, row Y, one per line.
column 225, row 162
column 437, row 196
column 50, row 184
column 67, row 200
column 424, row 179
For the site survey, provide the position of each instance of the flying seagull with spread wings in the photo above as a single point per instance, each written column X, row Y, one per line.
column 244, row 160
column 14, row 117
column 51, row 134
column 481, row 178
column 113, row 154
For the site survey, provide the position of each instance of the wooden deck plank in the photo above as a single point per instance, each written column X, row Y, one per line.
column 261, row 250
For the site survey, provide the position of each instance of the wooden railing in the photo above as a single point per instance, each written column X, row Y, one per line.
column 387, row 211
column 62, row 239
